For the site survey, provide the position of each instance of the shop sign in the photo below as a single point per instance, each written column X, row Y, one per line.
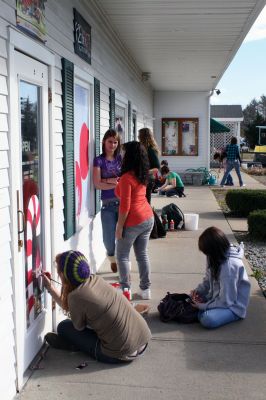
column 82, row 37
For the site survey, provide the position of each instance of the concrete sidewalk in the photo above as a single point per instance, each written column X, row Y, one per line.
column 182, row 361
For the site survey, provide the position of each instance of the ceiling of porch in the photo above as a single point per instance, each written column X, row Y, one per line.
column 185, row 45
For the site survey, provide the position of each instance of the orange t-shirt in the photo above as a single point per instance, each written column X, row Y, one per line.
column 132, row 195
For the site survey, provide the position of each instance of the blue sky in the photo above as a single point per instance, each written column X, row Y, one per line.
column 245, row 78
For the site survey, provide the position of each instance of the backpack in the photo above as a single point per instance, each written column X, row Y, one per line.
column 158, row 230
column 175, row 213
column 175, row 307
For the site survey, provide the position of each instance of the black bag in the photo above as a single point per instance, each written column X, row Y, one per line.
column 175, row 213
column 175, row 307
column 158, row 230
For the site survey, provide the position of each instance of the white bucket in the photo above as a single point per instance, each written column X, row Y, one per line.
column 244, row 165
column 191, row 222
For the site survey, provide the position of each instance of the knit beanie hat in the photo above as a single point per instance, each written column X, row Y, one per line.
column 74, row 266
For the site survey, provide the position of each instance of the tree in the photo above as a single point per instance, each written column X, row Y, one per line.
column 252, row 133
column 254, row 115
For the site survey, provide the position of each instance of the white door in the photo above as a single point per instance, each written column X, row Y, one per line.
column 31, row 155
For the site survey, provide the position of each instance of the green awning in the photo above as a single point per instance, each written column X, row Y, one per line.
column 217, row 127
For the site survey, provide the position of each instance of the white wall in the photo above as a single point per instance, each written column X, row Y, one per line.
column 184, row 104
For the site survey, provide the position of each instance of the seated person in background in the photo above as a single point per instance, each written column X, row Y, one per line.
column 223, row 295
column 159, row 179
column 173, row 185
column 220, row 156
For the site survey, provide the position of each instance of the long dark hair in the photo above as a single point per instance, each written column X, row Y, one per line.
column 136, row 160
column 112, row 133
column 215, row 245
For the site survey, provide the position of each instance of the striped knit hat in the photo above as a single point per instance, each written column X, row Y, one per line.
column 74, row 266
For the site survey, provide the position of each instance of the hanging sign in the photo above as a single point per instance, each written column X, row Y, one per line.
column 31, row 17
column 82, row 37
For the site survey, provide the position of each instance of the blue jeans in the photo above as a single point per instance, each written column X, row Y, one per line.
column 138, row 237
column 109, row 217
column 234, row 164
column 229, row 180
column 216, row 317
column 86, row 341
column 179, row 191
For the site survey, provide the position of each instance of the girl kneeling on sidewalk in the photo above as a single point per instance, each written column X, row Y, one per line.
column 223, row 295
column 103, row 322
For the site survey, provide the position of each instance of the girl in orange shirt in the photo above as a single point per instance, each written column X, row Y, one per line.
column 135, row 219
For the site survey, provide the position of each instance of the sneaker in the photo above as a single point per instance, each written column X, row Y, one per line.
column 114, row 267
column 58, row 342
column 141, row 308
column 221, row 186
column 145, row 294
column 243, row 185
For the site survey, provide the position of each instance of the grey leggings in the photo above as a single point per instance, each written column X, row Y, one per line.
column 138, row 236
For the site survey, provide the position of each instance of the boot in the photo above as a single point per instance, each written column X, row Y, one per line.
column 58, row 342
column 114, row 267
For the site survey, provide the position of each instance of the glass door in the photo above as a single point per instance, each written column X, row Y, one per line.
column 30, row 115
column 33, row 192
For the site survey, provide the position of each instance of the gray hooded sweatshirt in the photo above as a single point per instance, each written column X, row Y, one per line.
column 231, row 290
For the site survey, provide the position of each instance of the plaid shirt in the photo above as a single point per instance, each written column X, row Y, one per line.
column 232, row 152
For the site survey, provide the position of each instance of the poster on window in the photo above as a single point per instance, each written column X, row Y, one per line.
column 180, row 136
column 31, row 17
column 171, row 137
column 81, row 151
column 189, row 147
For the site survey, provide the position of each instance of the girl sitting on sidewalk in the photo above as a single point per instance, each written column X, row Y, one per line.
column 173, row 185
column 103, row 322
column 223, row 295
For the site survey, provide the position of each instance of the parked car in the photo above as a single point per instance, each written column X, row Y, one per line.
column 260, row 158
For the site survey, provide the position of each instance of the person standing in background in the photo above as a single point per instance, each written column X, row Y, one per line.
column 233, row 161
column 135, row 219
column 220, row 156
column 106, row 171
column 146, row 138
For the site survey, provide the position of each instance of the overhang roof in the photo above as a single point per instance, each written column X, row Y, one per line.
column 226, row 111
column 217, row 127
column 185, row 45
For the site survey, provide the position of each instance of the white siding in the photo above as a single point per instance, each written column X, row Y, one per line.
column 178, row 104
column 7, row 340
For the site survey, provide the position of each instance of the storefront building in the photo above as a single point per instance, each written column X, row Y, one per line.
column 65, row 78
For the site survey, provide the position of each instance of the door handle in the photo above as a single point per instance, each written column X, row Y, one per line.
column 21, row 214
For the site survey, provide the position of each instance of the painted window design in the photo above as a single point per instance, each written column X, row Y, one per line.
column 120, row 121
column 81, row 153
